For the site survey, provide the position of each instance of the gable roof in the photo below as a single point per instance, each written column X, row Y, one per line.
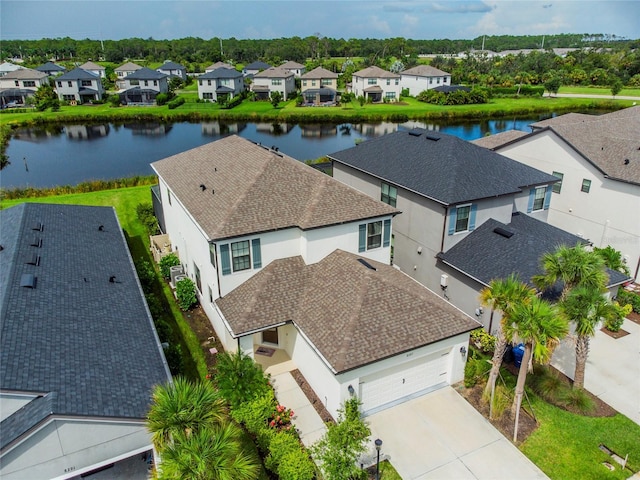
column 274, row 72
column 499, row 139
column 441, row 167
column 144, row 73
column 352, row 314
column 170, row 66
column 91, row 66
column 84, row 346
column 128, row 67
column 78, row 74
column 319, row 73
column 218, row 64
column 257, row 65
column 486, row 254
column 50, row 67
column 375, row 72
column 24, row 73
column 221, row 72
column 292, row 65
column 425, row 71
column 250, row 189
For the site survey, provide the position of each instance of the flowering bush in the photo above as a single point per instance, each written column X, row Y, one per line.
column 281, row 418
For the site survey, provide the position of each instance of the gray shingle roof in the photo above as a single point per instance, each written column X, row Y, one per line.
column 425, row 71
column 145, row 73
column 441, row 167
column 352, row 314
column 292, row 65
column 76, row 336
column 485, row 255
column 50, row 67
column 91, row 66
column 171, row 66
column 252, row 189
column 128, row 67
column 78, row 74
column 25, row 73
column 499, row 139
column 257, row 65
column 221, row 72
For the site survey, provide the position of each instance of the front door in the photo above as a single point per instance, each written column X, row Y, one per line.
column 270, row 336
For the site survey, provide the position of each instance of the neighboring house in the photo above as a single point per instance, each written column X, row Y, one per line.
column 597, row 159
column 217, row 65
column 446, row 188
column 79, row 86
column 294, row 67
column 376, row 84
column 94, row 68
column 319, row 86
column 173, row 69
column 7, row 67
column 273, row 80
column 285, row 257
column 51, row 69
column 124, row 70
column 423, row 77
column 79, row 355
column 19, row 84
column 220, row 84
column 143, row 85
column 255, row 67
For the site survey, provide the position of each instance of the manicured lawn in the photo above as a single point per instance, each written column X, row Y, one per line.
column 565, row 446
column 631, row 92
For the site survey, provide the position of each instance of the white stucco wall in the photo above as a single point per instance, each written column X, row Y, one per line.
column 607, row 215
column 417, row 84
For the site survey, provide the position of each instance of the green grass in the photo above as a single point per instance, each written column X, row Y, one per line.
column 631, row 92
column 565, row 445
column 387, row 472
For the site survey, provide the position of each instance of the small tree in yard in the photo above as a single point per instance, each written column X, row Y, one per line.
column 276, row 98
column 553, row 85
column 616, row 87
column 338, row 450
column 166, row 263
column 186, row 294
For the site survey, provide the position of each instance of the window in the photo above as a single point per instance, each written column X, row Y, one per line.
column 240, row 256
column 586, row 185
column 134, row 82
column 29, row 83
column 200, row 82
column 388, row 81
column 430, row 81
column 276, row 81
column 155, row 83
column 68, row 98
column 60, row 84
column 462, row 218
column 304, row 83
column 146, row 83
column 388, row 194
column 374, row 235
column 207, row 95
column 86, row 83
column 397, row 81
column 313, row 83
column 225, row 81
column 197, row 274
column 538, row 198
column 209, row 82
column 558, row 185
column 438, row 80
column 390, row 95
column 17, row 83
column 372, row 81
column 326, row 81
column 69, row 84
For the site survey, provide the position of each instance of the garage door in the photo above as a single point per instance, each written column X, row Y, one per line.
column 401, row 383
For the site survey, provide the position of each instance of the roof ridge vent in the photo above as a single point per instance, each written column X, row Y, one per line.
column 34, row 260
column 431, row 136
column 38, row 226
column 415, row 132
column 367, row 264
column 503, row 232
column 36, row 242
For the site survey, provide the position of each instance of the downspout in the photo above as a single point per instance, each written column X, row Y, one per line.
column 444, row 228
column 217, row 270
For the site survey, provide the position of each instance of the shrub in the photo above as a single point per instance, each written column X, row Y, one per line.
column 175, row 103
column 281, row 444
column 296, row 465
column 166, row 262
column 234, row 102
column 474, row 370
column 155, row 306
column 147, row 275
column 482, row 340
column 162, row 99
column 173, row 354
column 548, row 385
column 163, row 329
column 186, row 294
column 502, row 399
column 114, row 100
column 144, row 212
column 578, row 399
column 613, row 324
column 629, row 298
column 240, row 379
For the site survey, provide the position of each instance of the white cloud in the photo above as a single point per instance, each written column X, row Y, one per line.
column 378, row 25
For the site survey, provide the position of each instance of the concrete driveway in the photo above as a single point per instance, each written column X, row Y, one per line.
column 441, row 436
column 613, row 368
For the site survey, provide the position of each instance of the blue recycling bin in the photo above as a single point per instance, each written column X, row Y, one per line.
column 518, row 353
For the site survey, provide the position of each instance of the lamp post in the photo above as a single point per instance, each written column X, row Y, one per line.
column 378, row 443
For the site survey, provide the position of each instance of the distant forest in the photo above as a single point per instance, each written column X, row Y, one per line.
column 601, row 60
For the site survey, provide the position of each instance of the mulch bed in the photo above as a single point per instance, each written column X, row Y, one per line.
column 311, row 395
column 201, row 326
column 634, row 317
column 619, row 334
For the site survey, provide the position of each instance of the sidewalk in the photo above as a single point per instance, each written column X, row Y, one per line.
column 308, row 423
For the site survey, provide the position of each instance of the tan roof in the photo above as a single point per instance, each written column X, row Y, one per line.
column 274, row 72
column 251, row 189
column 499, row 139
column 91, row 66
column 25, row 73
column 425, row 71
column 353, row 315
column 128, row 67
column 319, row 73
column 610, row 141
column 375, row 72
column 292, row 65
column 213, row 66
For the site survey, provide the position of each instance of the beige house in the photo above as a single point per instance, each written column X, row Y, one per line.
column 319, row 86
column 273, row 80
column 123, row 71
column 94, row 68
column 19, row 84
column 376, row 85
column 294, row 67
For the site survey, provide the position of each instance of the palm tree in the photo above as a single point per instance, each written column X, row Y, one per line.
column 182, row 408
column 213, row 453
column 503, row 295
column 539, row 325
column 573, row 266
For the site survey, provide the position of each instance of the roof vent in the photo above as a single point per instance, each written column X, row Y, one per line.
column 367, row 264
column 415, row 133
column 432, row 137
column 37, row 226
column 36, row 242
column 34, row 260
column 112, row 279
column 502, row 232
column 626, row 161
column 28, row 280
column 203, row 187
column 101, row 228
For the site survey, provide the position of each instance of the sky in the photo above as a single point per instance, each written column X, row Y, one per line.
column 261, row 19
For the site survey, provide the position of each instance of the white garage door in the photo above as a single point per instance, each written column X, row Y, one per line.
column 400, row 383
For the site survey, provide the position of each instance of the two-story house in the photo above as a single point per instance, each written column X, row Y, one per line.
column 123, row 70
column 216, row 65
column 255, row 67
column 423, row 77
column 79, row 86
column 173, row 69
column 18, row 85
column 51, row 69
column 6, row 67
column 79, row 354
column 294, row 67
column 469, row 215
column 597, row 159
column 94, row 68
column 220, row 84
column 285, row 257
column 319, row 86
column 273, row 80
column 143, row 86
column 377, row 85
